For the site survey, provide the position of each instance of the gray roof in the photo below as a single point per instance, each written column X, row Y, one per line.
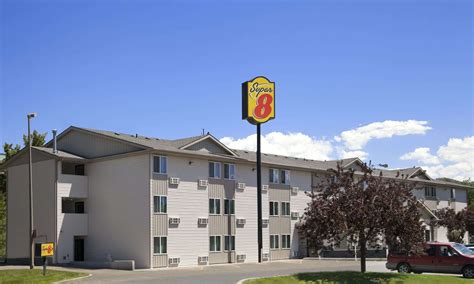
column 397, row 172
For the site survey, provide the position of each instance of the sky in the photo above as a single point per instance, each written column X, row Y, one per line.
column 388, row 81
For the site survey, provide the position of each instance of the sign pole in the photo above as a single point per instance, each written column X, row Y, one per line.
column 45, row 263
column 259, row 196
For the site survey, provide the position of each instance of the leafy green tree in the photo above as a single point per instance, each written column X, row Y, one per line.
column 38, row 138
column 10, row 150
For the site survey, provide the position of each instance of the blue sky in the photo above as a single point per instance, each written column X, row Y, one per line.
column 169, row 69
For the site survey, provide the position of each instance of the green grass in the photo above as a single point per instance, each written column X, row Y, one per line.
column 357, row 277
column 36, row 276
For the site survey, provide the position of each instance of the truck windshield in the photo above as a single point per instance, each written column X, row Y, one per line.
column 462, row 249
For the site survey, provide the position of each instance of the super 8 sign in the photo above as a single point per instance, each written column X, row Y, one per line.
column 47, row 249
column 258, row 100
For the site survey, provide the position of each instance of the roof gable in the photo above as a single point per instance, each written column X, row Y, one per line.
column 208, row 144
column 90, row 144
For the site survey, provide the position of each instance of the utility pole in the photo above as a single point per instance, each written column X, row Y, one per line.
column 30, row 181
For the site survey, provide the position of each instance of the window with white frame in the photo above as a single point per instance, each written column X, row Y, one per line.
column 229, row 206
column 285, row 241
column 285, row 208
column 214, row 206
column 285, row 176
column 229, row 171
column 274, row 241
column 273, row 175
column 229, row 243
column 273, row 208
column 215, row 243
column 214, row 170
column 159, row 245
column 160, row 164
column 430, row 191
column 160, row 204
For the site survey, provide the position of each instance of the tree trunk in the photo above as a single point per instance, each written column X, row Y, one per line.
column 363, row 253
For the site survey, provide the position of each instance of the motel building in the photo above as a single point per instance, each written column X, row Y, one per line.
column 119, row 200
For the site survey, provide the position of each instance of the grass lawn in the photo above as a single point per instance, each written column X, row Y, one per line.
column 36, row 276
column 357, row 277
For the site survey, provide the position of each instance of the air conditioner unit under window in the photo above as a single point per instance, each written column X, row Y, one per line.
column 174, row 180
column 264, row 187
column 203, row 183
column 265, row 256
column 174, row 220
column 241, row 257
column 203, row 221
column 265, row 222
column 240, row 186
column 174, row 260
column 294, row 215
column 241, row 221
column 203, row 259
column 294, row 190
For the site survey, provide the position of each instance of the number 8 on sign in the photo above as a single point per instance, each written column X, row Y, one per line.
column 264, row 106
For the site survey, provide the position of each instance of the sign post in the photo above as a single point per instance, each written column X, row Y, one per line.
column 47, row 249
column 258, row 106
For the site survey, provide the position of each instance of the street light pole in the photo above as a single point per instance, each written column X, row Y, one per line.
column 30, row 182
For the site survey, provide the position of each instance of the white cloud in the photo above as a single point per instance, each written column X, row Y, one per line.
column 287, row 144
column 356, row 139
column 421, row 155
column 455, row 160
column 343, row 154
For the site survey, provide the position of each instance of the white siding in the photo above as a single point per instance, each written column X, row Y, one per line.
column 246, row 207
column 188, row 241
column 298, row 203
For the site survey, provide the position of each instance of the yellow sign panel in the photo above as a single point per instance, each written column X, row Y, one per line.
column 258, row 100
column 47, row 249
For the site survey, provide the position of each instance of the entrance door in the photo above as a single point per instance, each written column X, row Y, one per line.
column 78, row 249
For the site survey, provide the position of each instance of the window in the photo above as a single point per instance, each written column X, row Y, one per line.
column 285, row 209
column 160, row 204
column 79, row 207
column 159, row 245
column 229, row 206
column 214, row 206
column 285, row 241
column 430, row 191
column 215, row 243
column 273, row 174
column 214, row 170
column 273, row 208
column 274, row 244
column 229, row 243
column 428, row 235
column 229, row 171
column 37, row 249
column 446, row 251
column 431, row 251
column 285, row 177
column 160, row 164
column 453, row 193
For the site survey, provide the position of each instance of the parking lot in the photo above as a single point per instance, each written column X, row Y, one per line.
column 225, row 273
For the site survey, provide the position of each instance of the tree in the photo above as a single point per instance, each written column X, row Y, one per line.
column 38, row 140
column 457, row 223
column 363, row 209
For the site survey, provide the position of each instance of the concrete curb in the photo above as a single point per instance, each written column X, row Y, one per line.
column 74, row 279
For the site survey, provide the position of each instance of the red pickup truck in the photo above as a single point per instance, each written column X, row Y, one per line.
column 451, row 258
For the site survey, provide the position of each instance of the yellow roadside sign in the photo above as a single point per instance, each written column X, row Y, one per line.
column 47, row 249
column 258, row 100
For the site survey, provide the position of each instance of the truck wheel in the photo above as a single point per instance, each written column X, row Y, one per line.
column 468, row 271
column 403, row 268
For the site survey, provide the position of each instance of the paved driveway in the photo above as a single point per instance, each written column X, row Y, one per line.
column 222, row 274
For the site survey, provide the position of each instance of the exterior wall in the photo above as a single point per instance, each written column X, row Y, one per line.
column 188, row 240
column 119, row 210
column 97, row 146
column 246, row 208
column 44, row 189
column 299, row 202
column 70, row 224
